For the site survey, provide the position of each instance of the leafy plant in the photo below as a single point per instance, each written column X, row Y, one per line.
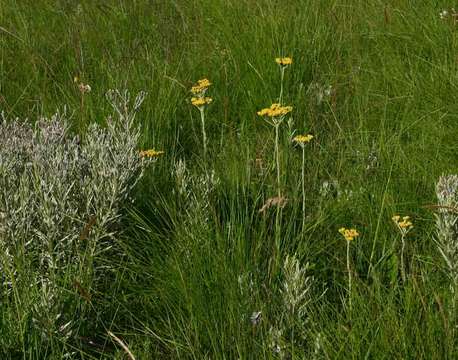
column 60, row 200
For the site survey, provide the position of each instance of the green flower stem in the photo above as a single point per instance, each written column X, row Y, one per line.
column 282, row 72
column 204, row 135
column 278, row 214
column 303, row 186
column 349, row 274
column 403, row 272
column 277, row 158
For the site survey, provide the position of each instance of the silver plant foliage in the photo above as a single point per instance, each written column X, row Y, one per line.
column 294, row 318
column 60, row 197
column 447, row 224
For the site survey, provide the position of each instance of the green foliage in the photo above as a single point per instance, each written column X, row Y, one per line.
column 373, row 82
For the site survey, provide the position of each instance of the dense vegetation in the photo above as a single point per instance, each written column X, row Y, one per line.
column 218, row 252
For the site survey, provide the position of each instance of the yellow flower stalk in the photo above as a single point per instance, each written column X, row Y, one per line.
column 403, row 226
column 276, row 112
column 275, row 115
column 349, row 235
column 283, row 62
column 200, row 101
column 302, row 140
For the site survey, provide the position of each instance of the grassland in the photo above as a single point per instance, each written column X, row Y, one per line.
column 375, row 83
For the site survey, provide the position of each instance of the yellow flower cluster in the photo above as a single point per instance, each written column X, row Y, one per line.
column 151, row 153
column 303, row 139
column 284, row 61
column 275, row 110
column 201, row 101
column 201, row 86
column 349, row 234
column 405, row 224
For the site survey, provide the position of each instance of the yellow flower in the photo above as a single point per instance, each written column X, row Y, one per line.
column 349, row 234
column 201, row 86
column 151, row 153
column 405, row 225
column 204, row 83
column 275, row 110
column 201, row 101
column 303, row 139
column 284, row 61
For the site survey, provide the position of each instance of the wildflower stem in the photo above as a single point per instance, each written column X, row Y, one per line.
column 403, row 272
column 204, row 135
column 349, row 274
column 82, row 107
column 282, row 72
column 277, row 158
column 278, row 213
column 453, row 290
column 303, row 187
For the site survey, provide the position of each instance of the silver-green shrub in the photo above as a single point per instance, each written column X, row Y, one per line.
column 292, row 324
column 60, row 198
column 447, row 225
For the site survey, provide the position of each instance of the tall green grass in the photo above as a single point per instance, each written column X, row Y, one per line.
column 193, row 266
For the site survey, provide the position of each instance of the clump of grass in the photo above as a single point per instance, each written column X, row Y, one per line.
column 368, row 78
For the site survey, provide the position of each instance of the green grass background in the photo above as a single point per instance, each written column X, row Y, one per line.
column 175, row 291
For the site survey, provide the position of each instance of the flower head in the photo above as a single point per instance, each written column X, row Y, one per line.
column 285, row 61
column 201, row 86
column 349, row 234
column 84, row 88
column 151, row 153
column 275, row 110
column 201, row 101
column 404, row 225
column 303, row 139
